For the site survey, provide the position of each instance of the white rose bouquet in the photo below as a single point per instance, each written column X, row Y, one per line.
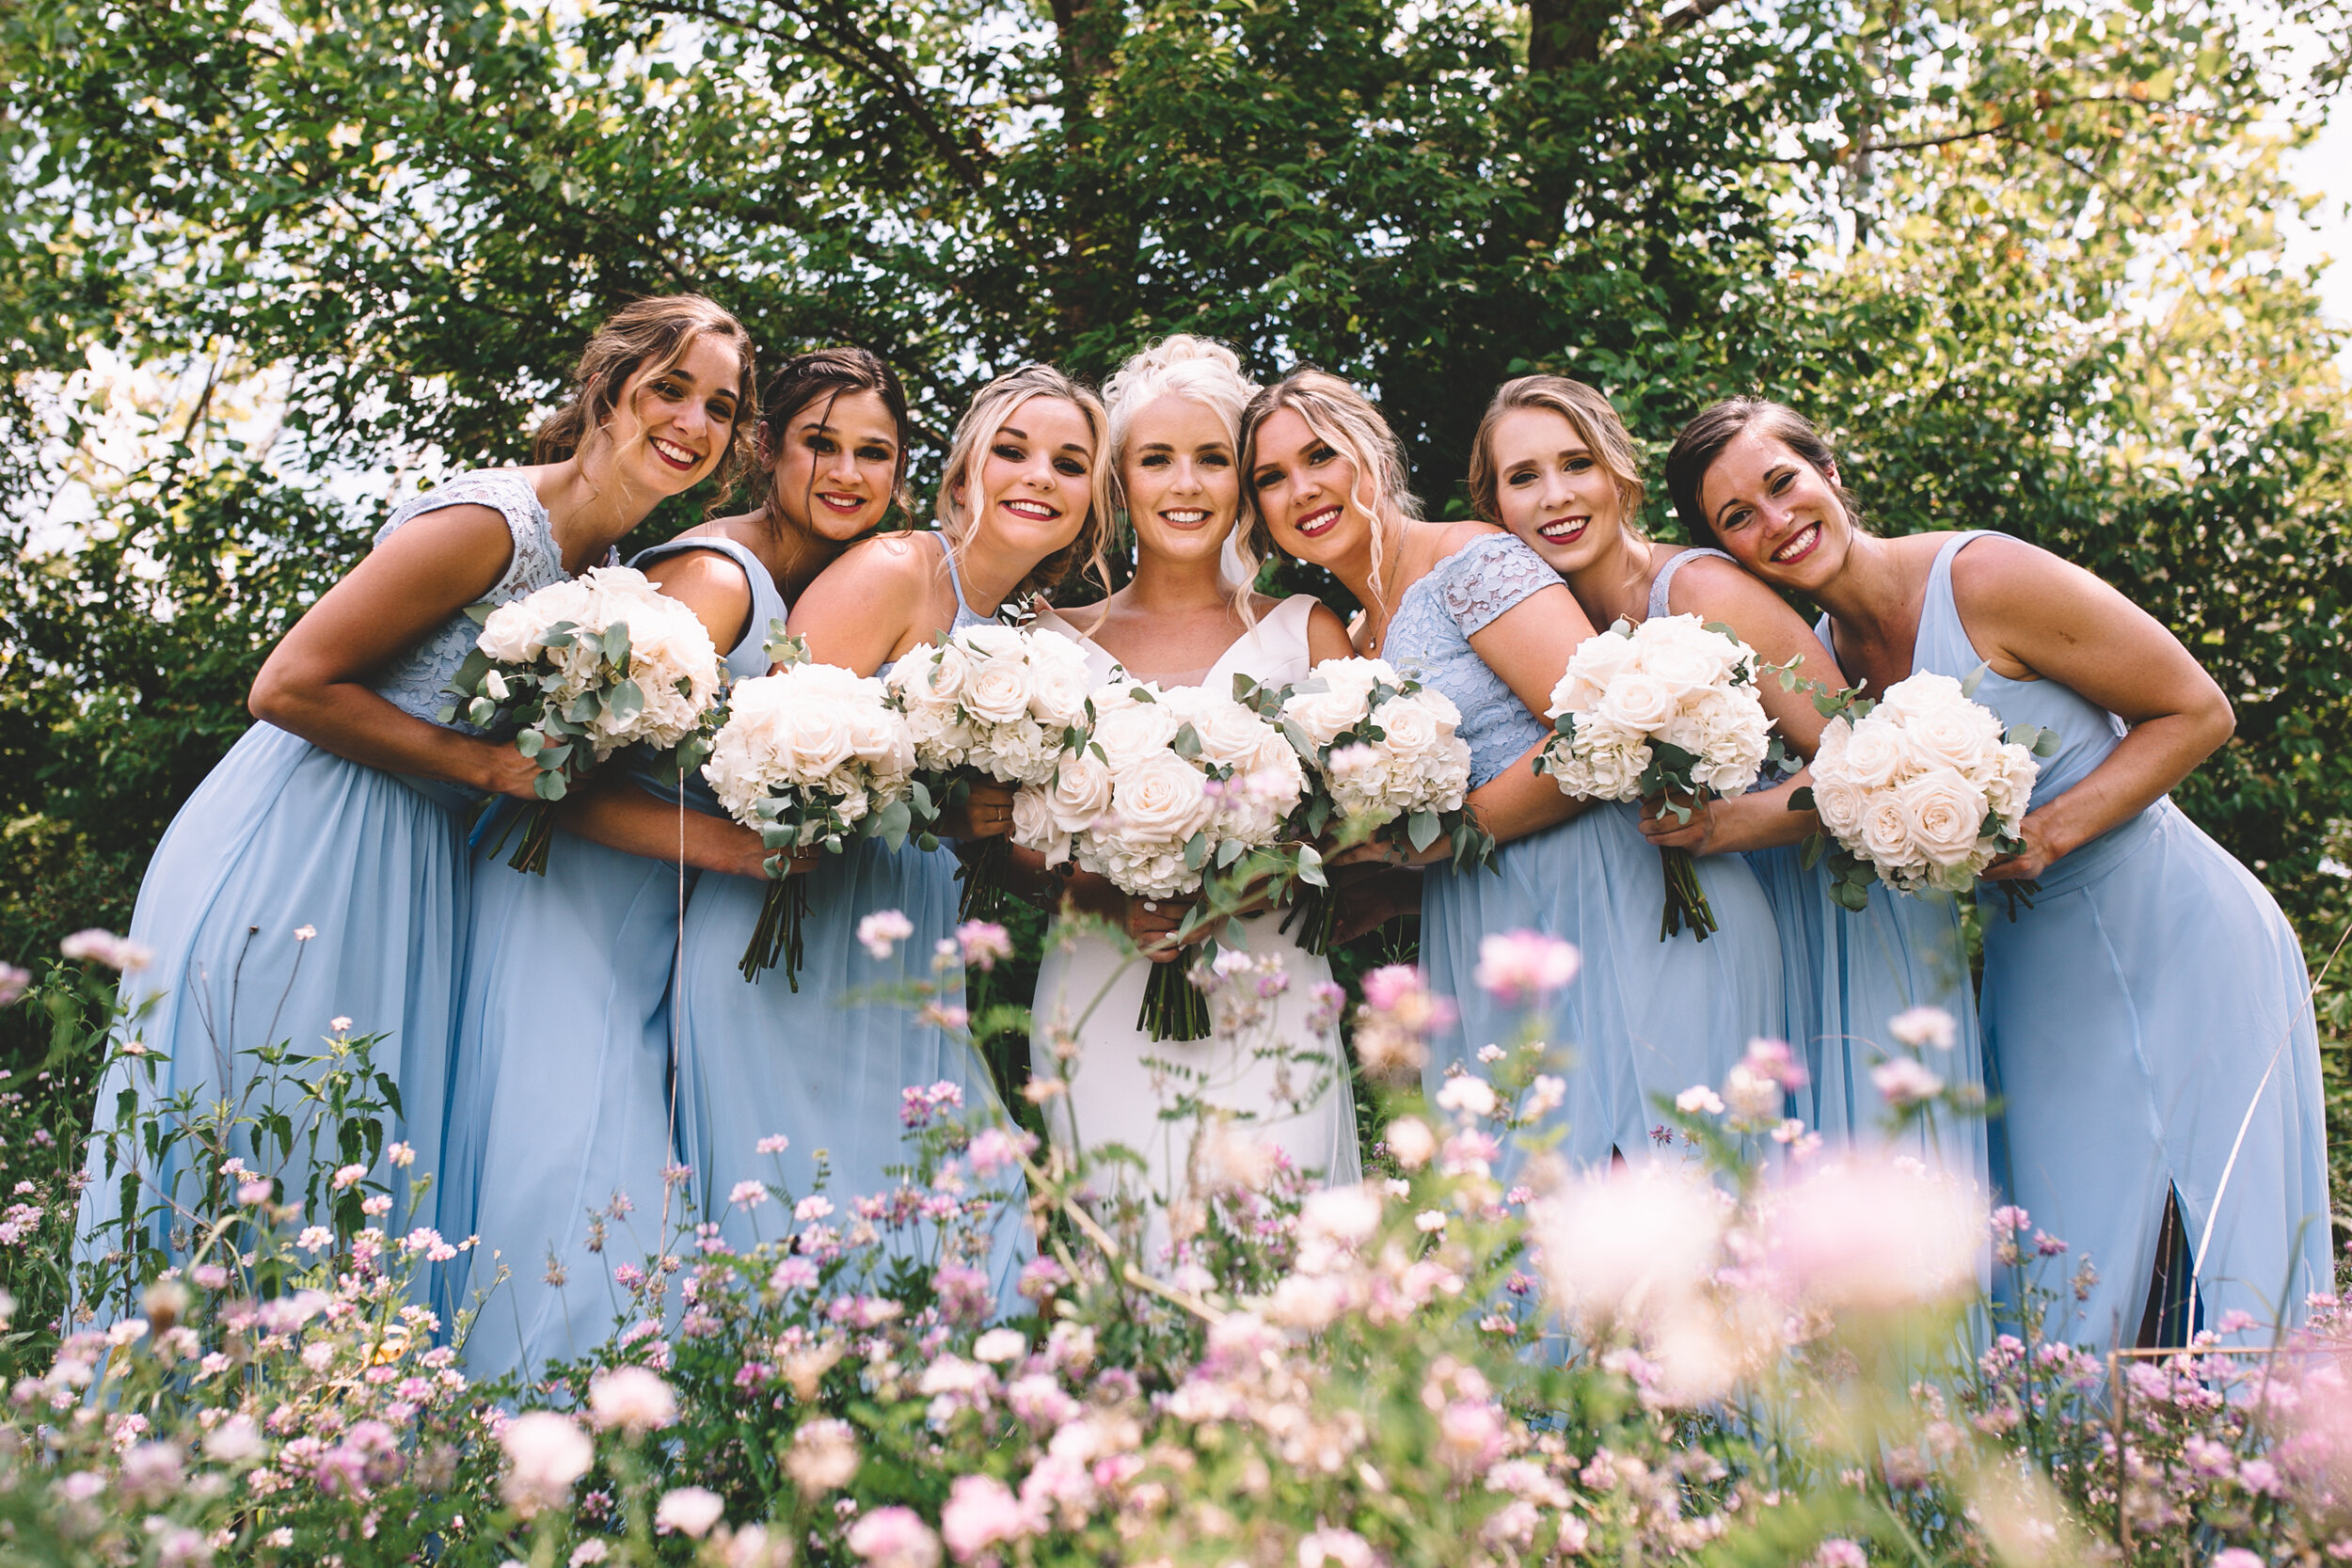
column 989, row 702
column 1166, row 785
column 1921, row 789
column 580, row 670
column 811, row 757
column 1668, row 706
column 1387, row 764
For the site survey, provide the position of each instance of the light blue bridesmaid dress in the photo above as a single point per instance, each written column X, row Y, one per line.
column 560, row 1094
column 2147, row 1026
column 283, row 834
column 819, row 1066
column 1845, row 973
column 1644, row 1017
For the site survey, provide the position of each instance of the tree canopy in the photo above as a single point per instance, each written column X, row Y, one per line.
column 2020, row 259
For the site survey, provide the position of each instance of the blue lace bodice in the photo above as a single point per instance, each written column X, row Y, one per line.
column 1429, row 638
column 418, row 684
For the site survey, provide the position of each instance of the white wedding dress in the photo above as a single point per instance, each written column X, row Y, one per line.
column 1277, row 1083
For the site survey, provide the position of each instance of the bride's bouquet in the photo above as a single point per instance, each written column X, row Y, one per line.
column 1921, row 789
column 810, row 756
column 1668, row 706
column 1387, row 767
column 1167, row 784
column 580, row 670
column 991, row 702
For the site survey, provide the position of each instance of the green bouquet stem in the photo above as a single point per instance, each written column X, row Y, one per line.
column 778, row 934
column 1685, row 901
column 1173, row 1008
column 986, row 869
column 1316, row 913
column 538, row 833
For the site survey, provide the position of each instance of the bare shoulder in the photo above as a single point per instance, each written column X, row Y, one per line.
column 888, row 560
column 1998, row 580
column 1724, row 590
column 1454, row 537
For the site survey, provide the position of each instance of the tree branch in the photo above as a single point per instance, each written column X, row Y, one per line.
column 1687, row 14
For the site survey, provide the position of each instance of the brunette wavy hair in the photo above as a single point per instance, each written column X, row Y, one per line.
column 652, row 333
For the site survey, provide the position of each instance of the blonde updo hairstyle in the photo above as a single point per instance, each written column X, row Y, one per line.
column 651, row 333
column 1201, row 370
column 1589, row 414
column 1342, row 418
column 988, row 411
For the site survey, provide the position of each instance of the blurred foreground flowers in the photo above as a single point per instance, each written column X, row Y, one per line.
column 1743, row 1347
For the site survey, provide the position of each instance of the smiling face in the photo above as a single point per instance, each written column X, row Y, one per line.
column 674, row 423
column 1777, row 515
column 1031, row 485
column 1184, row 487
column 836, row 465
column 1553, row 491
column 1306, row 491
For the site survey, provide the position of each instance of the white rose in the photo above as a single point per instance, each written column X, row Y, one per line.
column 998, row 689
column 1059, row 680
column 1875, row 755
column 1411, row 725
column 1683, row 668
column 1081, row 792
column 1035, row 827
column 1945, row 811
column 1924, row 692
column 1332, row 700
column 1839, row 802
column 2009, row 785
column 1161, row 800
column 1961, row 736
column 1637, row 702
column 1128, row 735
column 950, row 668
column 1884, row 831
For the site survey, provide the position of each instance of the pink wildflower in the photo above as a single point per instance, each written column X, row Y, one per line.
column 1525, row 966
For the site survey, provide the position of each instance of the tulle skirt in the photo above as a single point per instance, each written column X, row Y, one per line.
column 282, row 836
column 560, row 1116
column 824, row 1066
column 1644, row 1017
column 2148, row 1027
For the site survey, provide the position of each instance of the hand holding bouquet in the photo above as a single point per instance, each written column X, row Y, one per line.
column 1167, row 784
column 1668, row 706
column 1388, row 765
column 988, row 702
column 582, row 669
column 1921, row 789
column 811, row 757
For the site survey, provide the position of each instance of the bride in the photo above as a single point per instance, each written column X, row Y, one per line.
column 1279, row 1080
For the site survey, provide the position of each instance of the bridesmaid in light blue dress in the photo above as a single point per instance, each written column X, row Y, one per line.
column 822, row 1066
column 1478, row 615
column 1554, row 463
column 2147, row 1023
column 341, row 813
column 562, row 1127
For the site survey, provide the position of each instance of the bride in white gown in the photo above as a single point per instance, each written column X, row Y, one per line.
column 1188, row 619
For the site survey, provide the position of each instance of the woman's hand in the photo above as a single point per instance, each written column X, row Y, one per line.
column 507, row 771
column 986, row 811
column 1152, row 925
column 1375, row 898
column 2041, row 849
column 1379, row 852
column 1667, row 830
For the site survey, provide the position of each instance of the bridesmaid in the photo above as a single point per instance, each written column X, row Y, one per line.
column 1188, row 619
column 1554, row 464
column 1483, row 618
column 2148, row 1021
column 561, row 1109
column 321, row 871
column 1021, row 503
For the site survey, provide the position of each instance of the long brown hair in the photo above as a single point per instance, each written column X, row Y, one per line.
column 654, row 332
column 1589, row 414
column 826, row 375
column 989, row 409
column 1703, row 441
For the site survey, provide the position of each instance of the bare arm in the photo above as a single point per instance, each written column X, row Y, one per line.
column 1719, row 592
column 2029, row 612
column 711, row 585
column 1327, row 637
column 874, row 603
column 314, row 682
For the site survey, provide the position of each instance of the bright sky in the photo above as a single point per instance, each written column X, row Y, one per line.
column 2325, row 168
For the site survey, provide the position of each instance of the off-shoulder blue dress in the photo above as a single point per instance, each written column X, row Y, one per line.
column 1844, row 974
column 283, row 835
column 1644, row 1017
column 823, row 1067
column 560, row 1105
column 2148, row 1027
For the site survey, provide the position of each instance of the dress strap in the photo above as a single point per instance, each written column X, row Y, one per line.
column 965, row 612
column 1941, row 641
column 1666, row 576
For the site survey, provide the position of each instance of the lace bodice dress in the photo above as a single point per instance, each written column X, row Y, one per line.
column 1644, row 1017
column 284, row 838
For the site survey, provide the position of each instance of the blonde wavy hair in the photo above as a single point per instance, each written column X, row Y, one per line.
column 1346, row 420
column 1589, row 414
column 1201, row 370
column 988, row 411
